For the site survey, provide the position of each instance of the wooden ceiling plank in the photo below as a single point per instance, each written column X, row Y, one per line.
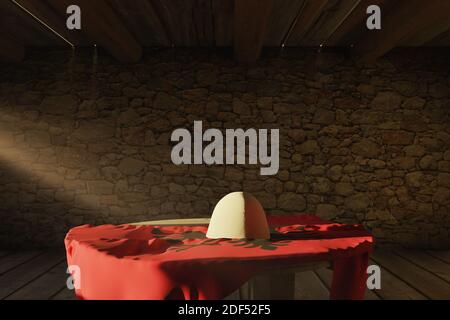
column 223, row 22
column 442, row 40
column 177, row 17
column 143, row 21
column 403, row 19
column 335, row 12
column 284, row 12
column 355, row 24
column 308, row 16
column 427, row 34
column 57, row 22
column 103, row 26
column 203, row 23
column 26, row 29
column 10, row 49
column 251, row 18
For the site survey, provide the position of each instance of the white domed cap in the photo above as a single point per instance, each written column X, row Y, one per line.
column 238, row 215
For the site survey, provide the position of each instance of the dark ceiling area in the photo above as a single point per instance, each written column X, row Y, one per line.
column 124, row 28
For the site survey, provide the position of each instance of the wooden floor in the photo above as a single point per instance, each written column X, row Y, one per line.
column 404, row 275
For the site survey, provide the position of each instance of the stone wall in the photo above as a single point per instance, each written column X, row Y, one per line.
column 84, row 139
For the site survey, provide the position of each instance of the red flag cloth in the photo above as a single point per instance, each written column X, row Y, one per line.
column 179, row 262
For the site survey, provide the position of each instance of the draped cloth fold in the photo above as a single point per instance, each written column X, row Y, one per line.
column 179, row 262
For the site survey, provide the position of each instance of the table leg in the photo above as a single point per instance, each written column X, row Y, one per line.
column 349, row 278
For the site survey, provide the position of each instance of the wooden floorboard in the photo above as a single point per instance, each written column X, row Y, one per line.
column 393, row 288
column 15, row 259
column 45, row 286
column 423, row 281
column 308, row 286
column 23, row 274
column 427, row 262
column 64, row 294
column 326, row 275
column 441, row 255
column 406, row 274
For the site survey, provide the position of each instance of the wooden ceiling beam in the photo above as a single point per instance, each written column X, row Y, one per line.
column 10, row 49
column 403, row 20
column 25, row 29
column 442, row 40
column 427, row 34
column 142, row 19
column 180, row 20
column 104, row 27
column 355, row 24
column 57, row 22
column 283, row 16
column 309, row 14
column 332, row 17
column 223, row 22
column 251, row 18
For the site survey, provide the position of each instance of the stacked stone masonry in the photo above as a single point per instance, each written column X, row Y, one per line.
column 85, row 141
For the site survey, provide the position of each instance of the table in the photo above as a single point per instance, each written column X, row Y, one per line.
column 170, row 261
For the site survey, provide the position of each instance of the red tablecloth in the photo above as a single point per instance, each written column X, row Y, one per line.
column 179, row 262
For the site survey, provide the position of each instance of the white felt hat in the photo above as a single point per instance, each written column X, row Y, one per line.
column 238, row 215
